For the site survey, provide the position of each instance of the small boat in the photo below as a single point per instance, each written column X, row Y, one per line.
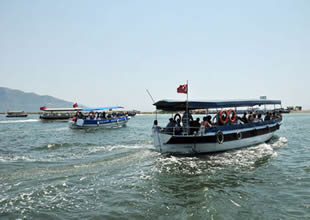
column 99, row 118
column 226, row 131
column 11, row 114
column 58, row 114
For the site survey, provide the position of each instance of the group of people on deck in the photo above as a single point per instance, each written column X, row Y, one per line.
column 98, row 115
column 186, row 123
column 254, row 118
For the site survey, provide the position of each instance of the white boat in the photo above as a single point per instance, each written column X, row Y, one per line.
column 57, row 114
column 229, row 135
column 98, row 118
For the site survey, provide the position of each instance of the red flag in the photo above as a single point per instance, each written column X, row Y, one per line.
column 43, row 108
column 182, row 89
column 75, row 105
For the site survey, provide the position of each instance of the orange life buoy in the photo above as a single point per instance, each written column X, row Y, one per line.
column 221, row 114
column 234, row 118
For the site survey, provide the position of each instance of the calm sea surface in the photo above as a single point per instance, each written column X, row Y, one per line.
column 49, row 171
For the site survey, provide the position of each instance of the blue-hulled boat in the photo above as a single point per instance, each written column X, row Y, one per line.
column 98, row 118
column 226, row 131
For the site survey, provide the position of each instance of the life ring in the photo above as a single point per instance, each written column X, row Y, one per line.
column 239, row 135
column 177, row 116
column 221, row 114
column 234, row 118
column 219, row 137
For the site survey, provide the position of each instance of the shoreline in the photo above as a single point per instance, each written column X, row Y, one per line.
column 152, row 113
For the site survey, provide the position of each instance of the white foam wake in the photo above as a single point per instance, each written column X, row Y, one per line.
column 18, row 121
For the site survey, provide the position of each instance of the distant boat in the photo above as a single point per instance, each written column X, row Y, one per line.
column 98, row 118
column 11, row 114
column 58, row 114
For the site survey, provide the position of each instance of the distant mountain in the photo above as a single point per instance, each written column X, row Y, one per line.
column 11, row 99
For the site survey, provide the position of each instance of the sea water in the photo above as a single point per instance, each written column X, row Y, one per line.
column 49, row 171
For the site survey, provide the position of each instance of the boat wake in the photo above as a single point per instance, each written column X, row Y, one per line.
column 239, row 159
column 18, row 121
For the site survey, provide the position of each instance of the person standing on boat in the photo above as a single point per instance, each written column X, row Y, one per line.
column 155, row 127
column 187, row 117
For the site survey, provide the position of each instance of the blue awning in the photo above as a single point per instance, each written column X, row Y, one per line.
column 101, row 108
column 173, row 105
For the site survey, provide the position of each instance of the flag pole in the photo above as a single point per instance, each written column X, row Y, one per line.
column 187, row 106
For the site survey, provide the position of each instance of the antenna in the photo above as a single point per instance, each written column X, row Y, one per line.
column 150, row 95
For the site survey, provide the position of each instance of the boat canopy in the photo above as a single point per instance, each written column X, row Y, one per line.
column 60, row 109
column 101, row 108
column 174, row 105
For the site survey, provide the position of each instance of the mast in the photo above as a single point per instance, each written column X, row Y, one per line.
column 187, row 107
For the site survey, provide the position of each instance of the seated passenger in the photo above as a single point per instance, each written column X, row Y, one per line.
column 195, row 125
column 259, row 118
column 255, row 119
column 170, row 126
column 206, row 122
column 250, row 118
column 267, row 117
column 273, row 116
column 244, row 119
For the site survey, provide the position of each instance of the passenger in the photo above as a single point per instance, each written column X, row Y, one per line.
column 195, row 126
column 92, row 115
column 255, row 119
column 207, row 122
column 103, row 115
column 155, row 127
column 187, row 117
column 170, row 126
column 178, row 127
column 267, row 117
column 274, row 117
column 250, row 118
column 244, row 119
column 259, row 118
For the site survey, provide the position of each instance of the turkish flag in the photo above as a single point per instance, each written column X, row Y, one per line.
column 43, row 108
column 182, row 89
column 75, row 105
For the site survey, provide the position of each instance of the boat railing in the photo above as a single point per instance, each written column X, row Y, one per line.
column 198, row 131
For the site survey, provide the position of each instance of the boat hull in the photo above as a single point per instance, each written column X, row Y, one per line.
column 108, row 123
column 208, row 143
column 16, row 116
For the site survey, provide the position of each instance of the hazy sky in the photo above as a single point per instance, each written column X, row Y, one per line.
column 101, row 53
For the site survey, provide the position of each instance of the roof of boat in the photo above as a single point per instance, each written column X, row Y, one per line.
column 61, row 109
column 81, row 109
column 177, row 105
column 101, row 108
